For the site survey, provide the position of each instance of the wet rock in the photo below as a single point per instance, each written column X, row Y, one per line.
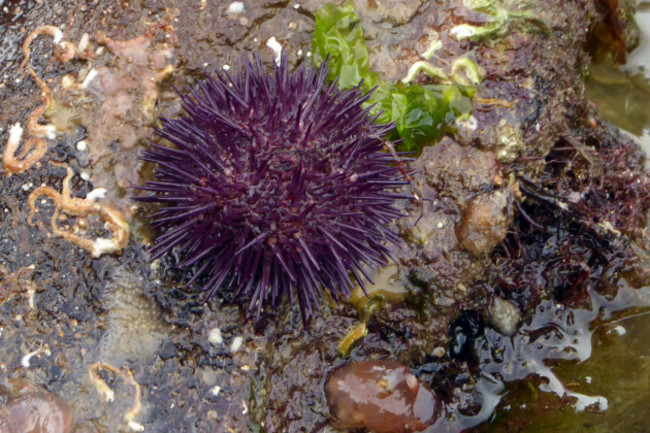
column 504, row 316
column 448, row 176
column 36, row 412
column 485, row 222
column 532, row 80
column 382, row 396
column 459, row 172
column 467, row 327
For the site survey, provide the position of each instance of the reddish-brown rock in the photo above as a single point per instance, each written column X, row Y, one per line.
column 35, row 412
column 382, row 396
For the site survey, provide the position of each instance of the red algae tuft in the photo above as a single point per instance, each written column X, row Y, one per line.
column 382, row 396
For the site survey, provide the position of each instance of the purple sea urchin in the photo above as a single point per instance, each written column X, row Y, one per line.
column 278, row 183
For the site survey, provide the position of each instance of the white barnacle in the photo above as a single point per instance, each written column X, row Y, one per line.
column 96, row 194
column 135, row 426
column 274, row 45
column 236, row 8
column 89, row 77
column 214, row 336
column 236, row 344
column 463, row 31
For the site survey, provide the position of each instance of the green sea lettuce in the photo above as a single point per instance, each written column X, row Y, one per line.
column 502, row 19
column 422, row 113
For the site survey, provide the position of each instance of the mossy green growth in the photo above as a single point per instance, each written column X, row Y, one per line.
column 502, row 19
column 422, row 113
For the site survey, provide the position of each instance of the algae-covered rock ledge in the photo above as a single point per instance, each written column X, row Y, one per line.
column 523, row 221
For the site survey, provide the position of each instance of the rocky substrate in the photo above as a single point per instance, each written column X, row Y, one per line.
column 533, row 198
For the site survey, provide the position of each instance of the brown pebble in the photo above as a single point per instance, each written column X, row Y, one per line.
column 35, row 412
column 485, row 222
column 381, row 396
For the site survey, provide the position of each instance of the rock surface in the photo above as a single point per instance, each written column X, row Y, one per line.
column 533, row 127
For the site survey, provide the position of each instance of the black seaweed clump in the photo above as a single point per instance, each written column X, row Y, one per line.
column 582, row 225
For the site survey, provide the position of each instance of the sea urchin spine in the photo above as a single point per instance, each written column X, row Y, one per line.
column 277, row 183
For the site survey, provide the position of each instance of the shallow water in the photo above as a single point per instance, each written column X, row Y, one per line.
column 599, row 379
column 623, row 93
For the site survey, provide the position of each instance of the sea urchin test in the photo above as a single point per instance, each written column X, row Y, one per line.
column 277, row 183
